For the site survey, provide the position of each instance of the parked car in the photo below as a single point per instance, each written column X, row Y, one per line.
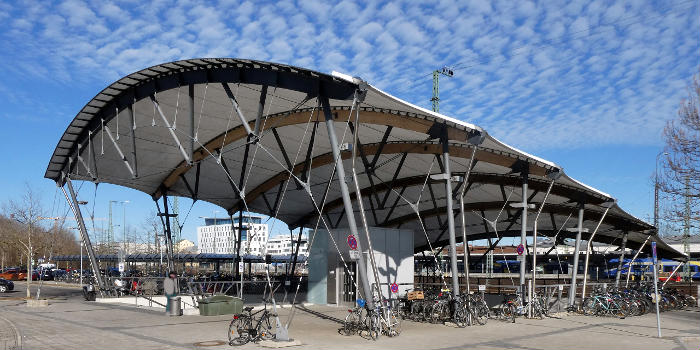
column 18, row 275
column 13, row 275
column 46, row 275
column 6, row 286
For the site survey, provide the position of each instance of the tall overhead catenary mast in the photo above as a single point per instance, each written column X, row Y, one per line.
column 686, row 229
column 448, row 72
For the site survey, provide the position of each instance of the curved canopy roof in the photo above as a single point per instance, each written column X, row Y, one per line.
column 177, row 127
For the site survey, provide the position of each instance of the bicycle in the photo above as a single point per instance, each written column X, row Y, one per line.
column 539, row 306
column 478, row 309
column 372, row 321
column 602, row 303
column 355, row 319
column 247, row 326
column 391, row 325
column 460, row 312
column 507, row 310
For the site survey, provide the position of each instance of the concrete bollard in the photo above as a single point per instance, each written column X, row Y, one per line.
column 37, row 302
column 559, row 291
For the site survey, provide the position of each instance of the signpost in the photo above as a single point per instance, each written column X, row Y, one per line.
column 352, row 242
column 656, row 289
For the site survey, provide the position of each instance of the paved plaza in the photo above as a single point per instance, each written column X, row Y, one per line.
column 71, row 323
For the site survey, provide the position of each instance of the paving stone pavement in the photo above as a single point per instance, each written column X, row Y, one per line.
column 70, row 323
column 9, row 336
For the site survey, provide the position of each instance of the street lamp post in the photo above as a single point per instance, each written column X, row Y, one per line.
column 30, row 252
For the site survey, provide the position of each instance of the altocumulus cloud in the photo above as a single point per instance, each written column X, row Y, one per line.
column 573, row 73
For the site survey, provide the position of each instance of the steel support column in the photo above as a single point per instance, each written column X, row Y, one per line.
column 523, row 229
column 347, row 202
column 621, row 263
column 73, row 204
column 554, row 177
column 190, row 94
column 475, row 138
column 296, row 254
column 168, row 232
column 465, row 251
column 239, row 241
column 574, row 273
column 132, row 132
column 588, row 248
column 450, row 215
column 358, row 197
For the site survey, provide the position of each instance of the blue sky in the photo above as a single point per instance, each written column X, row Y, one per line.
column 586, row 84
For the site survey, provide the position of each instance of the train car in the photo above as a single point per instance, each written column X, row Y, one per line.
column 644, row 266
column 504, row 266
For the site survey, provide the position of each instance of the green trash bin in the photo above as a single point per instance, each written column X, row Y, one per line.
column 220, row 305
column 208, row 308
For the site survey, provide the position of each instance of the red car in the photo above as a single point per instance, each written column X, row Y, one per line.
column 17, row 275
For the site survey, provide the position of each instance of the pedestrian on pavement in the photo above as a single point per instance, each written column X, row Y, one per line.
column 170, row 289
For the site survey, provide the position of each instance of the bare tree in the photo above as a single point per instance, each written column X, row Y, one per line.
column 680, row 176
column 27, row 211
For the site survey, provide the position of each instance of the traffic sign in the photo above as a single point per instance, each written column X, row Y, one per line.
column 653, row 251
column 352, row 242
column 394, row 288
column 121, row 267
column 354, row 255
column 520, row 249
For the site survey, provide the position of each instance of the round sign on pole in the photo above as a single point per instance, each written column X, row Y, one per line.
column 394, row 288
column 352, row 242
column 520, row 249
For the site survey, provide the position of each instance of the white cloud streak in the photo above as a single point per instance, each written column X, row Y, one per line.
column 534, row 74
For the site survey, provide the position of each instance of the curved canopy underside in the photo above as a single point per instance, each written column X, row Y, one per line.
column 177, row 128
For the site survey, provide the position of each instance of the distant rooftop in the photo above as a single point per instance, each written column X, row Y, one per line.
column 254, row 219
column 679, row 239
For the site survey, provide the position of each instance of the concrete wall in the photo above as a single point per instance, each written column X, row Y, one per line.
column 318, row 268
column 393, row 252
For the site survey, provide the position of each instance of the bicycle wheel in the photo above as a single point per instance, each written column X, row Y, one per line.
column 268, row 327
column 589, row 307
column 634, row 308
column 537, row 309
column 373, row 326
column 350, row 324
column 501, row 312
column 428, row 312
column 623, row 309
column 393, row 327
column 480, row 313
column 416, row 313
column 544, row 307
column 511, row 312
column 460, row 316
column 238, row 331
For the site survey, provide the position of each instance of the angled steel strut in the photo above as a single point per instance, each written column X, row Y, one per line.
column 347, row 202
